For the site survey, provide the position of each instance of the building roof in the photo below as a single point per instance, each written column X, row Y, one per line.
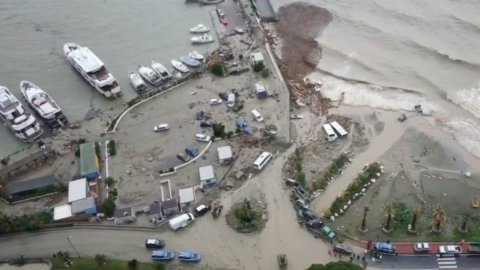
column 206, row 173
column 77, row 190
column 155, row 208
column 224, row 152
column 168, row 204
column 186, row 195
column 123, row 212
column 82, row 205
column 257, row 57
column 31, row 184
column 62, row 212
column 88, row 159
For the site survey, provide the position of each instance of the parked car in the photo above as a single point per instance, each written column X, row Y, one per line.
column 384, row 248
column 449, row 250
column 191, row 150
column 161, row 127
column 202, row 209
column 202, row 137
column 188, row 256
column 154, row 243
column 206, row 124
column 183, row 157
column 291, row 183
column 301, row 193
column 421, row 248
column 301, row 204
column 163, row 255
column 307, row 215
column 282, row 261
column 343, row 248
column 328, row 232
column 215, row 101
column 314, row 224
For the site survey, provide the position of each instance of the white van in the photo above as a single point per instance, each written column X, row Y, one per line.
column 262, row 160
column 231, row 100
column 339, row 129
column 181, row 221
column 329, row 133
column 257, row 116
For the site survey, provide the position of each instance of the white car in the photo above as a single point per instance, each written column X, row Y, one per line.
column 202, row 137
column 454, row 250
column 215, row 101
column 161, row 127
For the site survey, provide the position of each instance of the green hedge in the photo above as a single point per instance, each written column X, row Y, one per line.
column 332, row 171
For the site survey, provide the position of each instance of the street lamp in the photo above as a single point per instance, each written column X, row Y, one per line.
column 69, row 239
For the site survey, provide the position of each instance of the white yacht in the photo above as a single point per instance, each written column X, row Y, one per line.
column 137, row 82
column 179, row 66
column 17, row 119
column 43, row 104
column 92, row 69
column 196, row 55
column 162, row 70
column 149, row 75
column 199, row 29
column 202, row 39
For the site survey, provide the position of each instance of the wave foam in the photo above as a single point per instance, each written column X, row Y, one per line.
column 469, row 99
column 465, row 131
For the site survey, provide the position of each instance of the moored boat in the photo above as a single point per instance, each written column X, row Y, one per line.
column 161, row 70
column 210, row 2
column 149, row 75
column 196, row 55
column 43, row 104
column 202, row 39
column 137, row 82
column 92, row 69
column 200, row 29
column 190, row 61
column 14, row 116
column 179, row 66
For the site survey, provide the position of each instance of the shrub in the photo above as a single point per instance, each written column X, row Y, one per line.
column 100, row 259
column 217, row 69
column 132, row 265
column 134, row 101
column 265, row 72
column 109, row 181
column 258, row 67
column 61, row 187
column 112, row 148
column 109, row 207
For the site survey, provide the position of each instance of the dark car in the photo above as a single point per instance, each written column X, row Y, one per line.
column 314, row 224
column 291, row 183
column 202, row 209
column 343, row 248
column 154, row 243
column 183, row 157
column 307, row 215
column 206, row 124
column 301, row 193
column 384, row 248
column 192, row 150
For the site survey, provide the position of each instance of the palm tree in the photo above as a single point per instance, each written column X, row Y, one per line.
column 389, row 211
column 416, row 212
column 364, row 220
column 439, row 218
column 464, row 226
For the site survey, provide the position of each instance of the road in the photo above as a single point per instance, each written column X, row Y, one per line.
column 427, row 262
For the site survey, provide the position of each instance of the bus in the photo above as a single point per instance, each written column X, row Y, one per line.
column 330, row 134
column 262, row 160
column 339, row 129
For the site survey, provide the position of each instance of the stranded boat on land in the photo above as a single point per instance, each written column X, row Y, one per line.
column 17, row 119
column 43, row 104
column 92, row 69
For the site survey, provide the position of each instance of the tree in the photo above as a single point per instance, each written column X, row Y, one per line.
column 100, row 259
column 341, row 265
column 160, row 266
column 109, row 181
column 416, row 212
column 464, row 226
column 265, row 72
column 132, row 264
column 439, row 218
column 109, row 207
column 217, row 69
column 389, row 212
column 258, row 67
column 364, row 220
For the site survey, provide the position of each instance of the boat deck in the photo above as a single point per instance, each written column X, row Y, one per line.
column 7, row 105
column 101, row 74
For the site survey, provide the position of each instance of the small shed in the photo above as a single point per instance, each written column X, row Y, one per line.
column 22, row 190
column 170, row 207
column 124, row 216
column 77, row 190
column 225, row 154
column 207, row 176
column 186, row 195
column 257, row 57
column 85, row 206
column 89, row 167
column 155, row 212
column 62, row 212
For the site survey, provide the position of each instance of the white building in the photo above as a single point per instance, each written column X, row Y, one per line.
column 225, row 154
column 62, row 212
column 186, row 195
column 257, row 57
column 207, row 176
column 77, row 190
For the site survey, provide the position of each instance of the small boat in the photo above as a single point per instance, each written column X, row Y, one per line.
column 296, row 116
column 197, row 56
column 149, row 75
column 137, row 82
column 162, row 70
column 200, row 29
column 190, row 61
column 202, row 39
column 210, row 2
column 43, row 105
column 14, row 116
column 179, row 66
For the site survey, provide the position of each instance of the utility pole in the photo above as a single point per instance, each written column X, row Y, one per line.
column 69, row 239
